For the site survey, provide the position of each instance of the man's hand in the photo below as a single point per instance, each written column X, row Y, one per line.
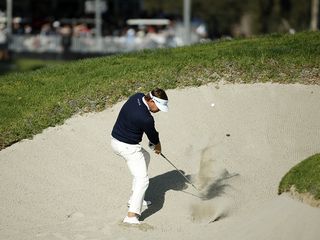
column 157, row 148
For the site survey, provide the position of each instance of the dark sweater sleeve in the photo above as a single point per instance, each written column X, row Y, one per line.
column 150, row 131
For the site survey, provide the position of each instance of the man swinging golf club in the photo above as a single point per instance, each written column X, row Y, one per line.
column 133, row 120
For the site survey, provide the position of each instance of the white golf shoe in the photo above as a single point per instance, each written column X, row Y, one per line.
column 145, row 203
column 131, row 220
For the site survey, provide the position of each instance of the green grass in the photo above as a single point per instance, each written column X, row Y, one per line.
column 34, row 100
column 305, row 177
column 24, row 65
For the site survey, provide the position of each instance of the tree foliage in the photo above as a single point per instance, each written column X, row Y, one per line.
column 223, row 17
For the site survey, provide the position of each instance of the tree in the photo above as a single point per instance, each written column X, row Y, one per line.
column 247, row 16
column 314, row 14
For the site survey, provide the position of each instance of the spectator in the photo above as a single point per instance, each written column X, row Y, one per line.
column 66, row 33
column 27, row 29
column 3, row 43
column 45, row 29
column 130, row 38
column 81, row 30
column 16, row 26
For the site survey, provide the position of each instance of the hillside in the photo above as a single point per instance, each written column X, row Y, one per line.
column 35, row 100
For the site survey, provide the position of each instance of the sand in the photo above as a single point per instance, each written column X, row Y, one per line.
column 235, row 141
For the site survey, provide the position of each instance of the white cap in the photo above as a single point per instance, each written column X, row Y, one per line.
column 160, row 103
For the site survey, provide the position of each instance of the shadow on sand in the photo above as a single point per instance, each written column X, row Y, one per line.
column 158, row 186
column 217, row 187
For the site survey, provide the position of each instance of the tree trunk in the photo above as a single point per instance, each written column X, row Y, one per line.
column 314, row 14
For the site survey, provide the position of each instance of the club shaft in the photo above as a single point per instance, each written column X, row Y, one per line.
column 178, row 171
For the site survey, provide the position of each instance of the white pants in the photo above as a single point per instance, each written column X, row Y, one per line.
column 137, row 159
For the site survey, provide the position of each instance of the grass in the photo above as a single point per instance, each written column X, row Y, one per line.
column 34, row 100
column 24, row 65
column 305, row 177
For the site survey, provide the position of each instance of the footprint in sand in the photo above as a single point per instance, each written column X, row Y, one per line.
column 142, row 226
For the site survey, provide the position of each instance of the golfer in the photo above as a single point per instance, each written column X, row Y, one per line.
column 135, row 119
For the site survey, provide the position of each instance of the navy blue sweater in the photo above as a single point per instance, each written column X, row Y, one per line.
column 135, row 119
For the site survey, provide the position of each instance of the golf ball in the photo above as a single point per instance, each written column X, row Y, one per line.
column 212, row 104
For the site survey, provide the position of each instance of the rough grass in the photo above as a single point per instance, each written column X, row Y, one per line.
column 34, row 100
column 25, row 64
column 303, row 178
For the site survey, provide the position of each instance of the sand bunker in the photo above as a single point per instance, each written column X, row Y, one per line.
column 235, row 142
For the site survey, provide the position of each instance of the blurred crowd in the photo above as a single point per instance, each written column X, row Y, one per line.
column 63, row 37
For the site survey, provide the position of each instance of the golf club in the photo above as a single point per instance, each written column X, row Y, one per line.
column 179, row 172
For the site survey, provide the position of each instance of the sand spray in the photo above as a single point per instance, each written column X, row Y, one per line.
column 210, row 180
